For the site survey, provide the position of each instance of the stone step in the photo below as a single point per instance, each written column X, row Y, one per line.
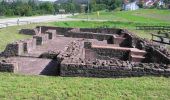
column 136, row 58
column 138, row 52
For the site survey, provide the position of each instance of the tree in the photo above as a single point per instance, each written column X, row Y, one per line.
column 47, row 8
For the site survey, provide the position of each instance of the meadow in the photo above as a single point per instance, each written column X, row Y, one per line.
column 18, row 87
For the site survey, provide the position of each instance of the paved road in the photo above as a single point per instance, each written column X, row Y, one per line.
column 35, row 19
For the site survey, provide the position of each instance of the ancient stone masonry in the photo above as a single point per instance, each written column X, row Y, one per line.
column 8, row 66
column 29, row 31
column 113, row 69
column 13, row 49
column 88, row 52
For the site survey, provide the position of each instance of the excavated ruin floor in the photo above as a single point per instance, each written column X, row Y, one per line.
column 30, row 64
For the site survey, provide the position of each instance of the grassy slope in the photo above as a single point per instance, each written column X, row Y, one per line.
column 146, row 16
column 44, row 88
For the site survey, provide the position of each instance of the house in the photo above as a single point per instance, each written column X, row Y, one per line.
column 146, row 3
column 150, row 3
column 130, row 5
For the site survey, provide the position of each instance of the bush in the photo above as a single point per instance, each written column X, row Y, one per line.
column 99, row 7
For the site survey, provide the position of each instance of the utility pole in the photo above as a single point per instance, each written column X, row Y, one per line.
column 88, row 9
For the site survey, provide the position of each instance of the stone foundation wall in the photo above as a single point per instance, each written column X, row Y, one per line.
column 59, row 30
column 114, row 70
column 29, row 31
column 25, row 46
column 155, row 56
column 101, row 30
column 92, row 53
column 8, row 67
column 89, row 35
column 13, row 49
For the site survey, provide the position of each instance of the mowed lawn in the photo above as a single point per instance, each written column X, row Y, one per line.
column 143, row 16
column 18, row 87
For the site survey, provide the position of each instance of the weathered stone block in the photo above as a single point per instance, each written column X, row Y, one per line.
column 8, row 67
column 14, row 49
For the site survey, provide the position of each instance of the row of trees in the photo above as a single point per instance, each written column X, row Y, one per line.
column 21, row 8
column 35, row 7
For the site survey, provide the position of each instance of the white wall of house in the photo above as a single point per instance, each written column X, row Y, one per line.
column 131, row 6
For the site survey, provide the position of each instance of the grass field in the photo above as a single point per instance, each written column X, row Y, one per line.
column 143, row 16
column 18, row 87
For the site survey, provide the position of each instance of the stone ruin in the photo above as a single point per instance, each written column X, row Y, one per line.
column 87, row 52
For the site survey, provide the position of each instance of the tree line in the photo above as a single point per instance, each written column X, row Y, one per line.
column 36, row 7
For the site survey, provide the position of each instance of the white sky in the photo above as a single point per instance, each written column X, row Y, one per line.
column 47, row 0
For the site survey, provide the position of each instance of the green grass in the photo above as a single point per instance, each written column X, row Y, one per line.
column 18, row 87
column 145, row 16
column 128, row 20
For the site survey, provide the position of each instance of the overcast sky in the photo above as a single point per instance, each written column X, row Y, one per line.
column 48, row 0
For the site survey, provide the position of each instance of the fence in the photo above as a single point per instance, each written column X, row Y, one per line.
column 160, row 39
column 152, row 27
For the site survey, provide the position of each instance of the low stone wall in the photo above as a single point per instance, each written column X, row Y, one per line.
column 25, row 46
column 89, row 35
column 92, row 53
column 59, row 30
column 13, row 49
column 20, row 47
column 94, row 30
column 155, row 56
column 8, row 67
column 29, row 31
column 101, row 30
column 114, row 70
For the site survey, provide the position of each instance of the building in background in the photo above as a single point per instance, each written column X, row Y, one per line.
column 130, row 5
